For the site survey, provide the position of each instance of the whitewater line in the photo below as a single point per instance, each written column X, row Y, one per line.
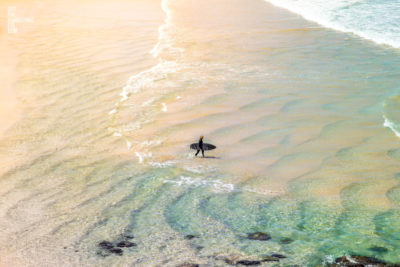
column 148, row 76
column 309, row 13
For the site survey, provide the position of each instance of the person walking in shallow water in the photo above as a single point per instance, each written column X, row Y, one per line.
column 200, row 147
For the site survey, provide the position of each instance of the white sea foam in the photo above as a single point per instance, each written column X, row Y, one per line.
column 263, row 192
column 217, row 185
column 162, row 29
column 165, row 35
column 150, row 143
column 194, row 169
column 117, row 134
column 148, row 78
column 392, row 126
column 199, row 168
column 375, row 20
column 148, row 102
column 128, row 144
column 162, row 164
column 142, row 156
column 329, row 259
column 164, row 107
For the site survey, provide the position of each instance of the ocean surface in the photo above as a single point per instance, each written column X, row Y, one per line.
column 301, row 99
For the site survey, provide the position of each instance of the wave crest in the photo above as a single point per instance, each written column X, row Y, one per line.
column 374, row 20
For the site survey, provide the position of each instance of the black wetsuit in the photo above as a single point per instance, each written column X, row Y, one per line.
column 201, row 147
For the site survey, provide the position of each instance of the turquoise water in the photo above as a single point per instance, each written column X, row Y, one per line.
column 297, row 111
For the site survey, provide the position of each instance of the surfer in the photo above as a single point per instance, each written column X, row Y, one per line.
column 200, row 147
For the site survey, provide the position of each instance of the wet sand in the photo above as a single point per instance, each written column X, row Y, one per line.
column 10, row 107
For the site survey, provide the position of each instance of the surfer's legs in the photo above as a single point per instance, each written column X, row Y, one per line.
column 197, row 152
column 202, row 152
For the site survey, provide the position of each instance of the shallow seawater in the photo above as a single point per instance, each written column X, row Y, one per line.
column 113, row 101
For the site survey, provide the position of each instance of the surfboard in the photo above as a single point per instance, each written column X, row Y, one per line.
column 206, row 146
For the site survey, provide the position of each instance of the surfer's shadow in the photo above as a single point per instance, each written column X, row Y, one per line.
column 210, row 157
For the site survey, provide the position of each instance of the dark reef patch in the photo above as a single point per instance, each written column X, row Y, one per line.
column 107, row 248
column 125, row 244
column 190, row 237
column 286, row 240
column 259, row 236
column 379, row 249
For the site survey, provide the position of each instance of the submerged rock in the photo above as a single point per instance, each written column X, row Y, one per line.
column 126, row 244
column 379, row 249
column 248, row 262
column 188, row 265
column 106, row 245
column 259, row 236
column 109, row 247
column 117, row 251
column 270, row 258
column 286, row 240
column 127, row 236
column 360, row 261
column 279, row 256
column 190, row 237
column 365, row 260
column 234, row 260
